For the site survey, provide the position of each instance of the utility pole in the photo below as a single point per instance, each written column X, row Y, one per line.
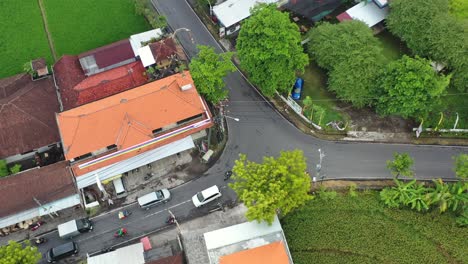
column 319, row 166
column 175, row 221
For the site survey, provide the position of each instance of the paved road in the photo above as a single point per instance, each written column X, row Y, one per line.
column 260, row 132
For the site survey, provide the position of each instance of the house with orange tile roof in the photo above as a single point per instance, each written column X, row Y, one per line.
column 127, row 130
column 227, row 237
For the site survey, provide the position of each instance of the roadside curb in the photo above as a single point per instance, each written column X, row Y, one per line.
column 317, row 134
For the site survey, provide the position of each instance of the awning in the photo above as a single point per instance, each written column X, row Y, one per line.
column 146, row 56
column 129, row 254
column 137, row 39
column 135, row 162
column 45, row 209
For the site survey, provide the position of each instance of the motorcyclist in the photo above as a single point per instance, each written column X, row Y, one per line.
column 121, row 232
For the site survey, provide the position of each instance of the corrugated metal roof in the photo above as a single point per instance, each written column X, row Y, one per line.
column 241, row 232
column 234, row 11
column 129, row 254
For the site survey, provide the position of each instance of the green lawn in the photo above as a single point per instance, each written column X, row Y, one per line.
column 78, row 26
column 23, row 36
column 393, row 47
column 315, row 83
column 360, row 230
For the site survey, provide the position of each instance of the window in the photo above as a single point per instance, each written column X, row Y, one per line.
column 87, row 155
column 192, row 118
column 113, row 146
column 156, row 131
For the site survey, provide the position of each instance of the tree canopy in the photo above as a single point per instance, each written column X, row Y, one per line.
column 15, row 253
column 459, row 8
column 208, row 70
column 401, row 165
column 430, row 31
column 461, row 166
column 353, row 57
column 269, row 49
column 410, row 88
column 275, row 186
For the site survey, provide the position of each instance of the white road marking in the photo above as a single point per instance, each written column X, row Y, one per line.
column 135, row 220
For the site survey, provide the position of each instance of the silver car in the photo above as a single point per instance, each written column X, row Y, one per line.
column 154, row 198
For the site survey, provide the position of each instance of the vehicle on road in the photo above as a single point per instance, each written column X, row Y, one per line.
column 61, row 252
column 206, row 196
column 74, row 227
column 40, row 240
column 297, row 89
column 154, row 198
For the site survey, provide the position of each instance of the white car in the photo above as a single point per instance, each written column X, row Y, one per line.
column 206, row 196
column 154, row 198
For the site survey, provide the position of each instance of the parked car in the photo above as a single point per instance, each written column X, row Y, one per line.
column 297, row 89
column 154, row 198
column 74, row 227
column 206, row 196
column 61, row 252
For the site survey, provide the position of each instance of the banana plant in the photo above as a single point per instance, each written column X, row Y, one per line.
column 440, row 195
column 417, row 198
column 459, row 195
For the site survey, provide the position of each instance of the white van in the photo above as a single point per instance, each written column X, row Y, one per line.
column 206, row 196
column 154, row 198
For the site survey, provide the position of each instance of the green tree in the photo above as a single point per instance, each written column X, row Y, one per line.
column 410, row 88
column 400, row 165
column 269, row 49
column 275, row 186
column 208, row 70
column 461, row 166
column 355, row 81
column 15, row 253
column 459, row 8
column 430, row 31
column 333, row 44
column 353, row 57
column 411, row 20
column 3, row 168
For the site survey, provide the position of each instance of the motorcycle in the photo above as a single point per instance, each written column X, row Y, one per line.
column 227, row 175
column 170, row 220
column 39, row 241
column 120, row 233
column 35, row 226
column 124, row 214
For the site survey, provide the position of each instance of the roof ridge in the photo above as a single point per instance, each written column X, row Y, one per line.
column 164, row 87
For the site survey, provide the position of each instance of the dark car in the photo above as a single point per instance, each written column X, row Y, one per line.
column 297, row 89
column 61, row 252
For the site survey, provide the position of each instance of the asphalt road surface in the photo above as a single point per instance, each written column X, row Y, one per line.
column 260, row 132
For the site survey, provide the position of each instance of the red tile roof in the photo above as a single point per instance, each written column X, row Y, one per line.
column 27, row 114
column 46, row 184
column 111, row 54
column 76, row 89
column 164, row 49
column 38, row 64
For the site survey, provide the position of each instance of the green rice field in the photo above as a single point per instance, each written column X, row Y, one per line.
column 23, row 36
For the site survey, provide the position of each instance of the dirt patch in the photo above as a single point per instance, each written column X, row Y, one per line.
column 360, row 185
column 366, row 119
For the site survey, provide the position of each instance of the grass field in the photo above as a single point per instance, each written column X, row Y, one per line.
column 23, row 36
column 315, row 83
column 78, row 26
column 359, row 230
